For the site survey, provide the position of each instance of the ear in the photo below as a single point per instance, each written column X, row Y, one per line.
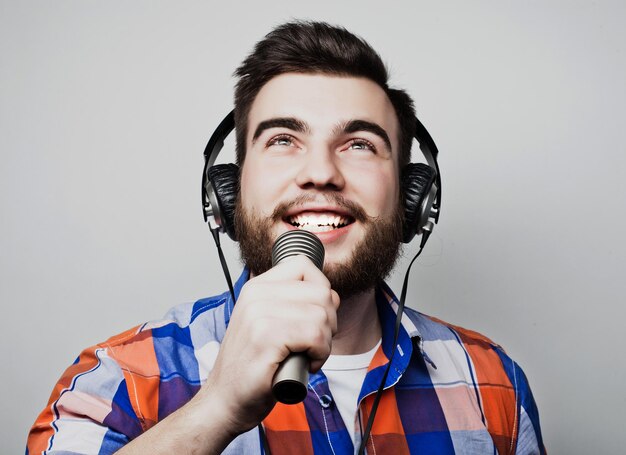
column 417, row 181
column 223, row 181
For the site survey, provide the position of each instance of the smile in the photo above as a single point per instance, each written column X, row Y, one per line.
column 319, row 222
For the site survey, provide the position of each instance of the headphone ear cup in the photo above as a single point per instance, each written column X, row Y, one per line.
column 224, row 182
column 417, row 181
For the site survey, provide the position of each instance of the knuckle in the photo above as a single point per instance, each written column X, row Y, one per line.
column 329, row 296
column 322, row 316
column 315, row 317
column 319, row 337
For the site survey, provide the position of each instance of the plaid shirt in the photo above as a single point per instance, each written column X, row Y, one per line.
column 449, row 391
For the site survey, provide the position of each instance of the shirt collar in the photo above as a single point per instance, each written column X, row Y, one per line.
column 387, row 305
column 388, row 299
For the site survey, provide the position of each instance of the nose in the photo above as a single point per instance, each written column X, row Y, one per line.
column 320, row 170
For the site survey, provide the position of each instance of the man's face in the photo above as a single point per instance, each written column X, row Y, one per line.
column 322, row 155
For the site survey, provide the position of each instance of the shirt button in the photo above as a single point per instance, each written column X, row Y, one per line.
column 326, row 401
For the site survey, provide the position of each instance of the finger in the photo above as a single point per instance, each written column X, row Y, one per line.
column 316, row 365
column 299, row 268
column 294, row 300
column 295, row 329
column 315, row 342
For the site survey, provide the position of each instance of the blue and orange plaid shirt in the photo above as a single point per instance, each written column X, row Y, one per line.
column 449, row 391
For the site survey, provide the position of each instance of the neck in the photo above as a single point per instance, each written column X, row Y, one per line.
column 358, row 327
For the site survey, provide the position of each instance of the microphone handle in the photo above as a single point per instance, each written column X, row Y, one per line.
column 292, row 376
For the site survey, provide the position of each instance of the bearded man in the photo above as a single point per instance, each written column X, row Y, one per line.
column 322, row 141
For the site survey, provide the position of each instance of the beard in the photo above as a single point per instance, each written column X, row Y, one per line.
column 370, row 262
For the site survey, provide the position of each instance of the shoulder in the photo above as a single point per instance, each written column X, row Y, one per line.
column 462, row 357
column 181, row 335
column 208, row 314
column 463, row 354
column 124, row 385
column 143, row 351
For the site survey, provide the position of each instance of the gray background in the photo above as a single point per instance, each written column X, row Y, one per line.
column 105, row 108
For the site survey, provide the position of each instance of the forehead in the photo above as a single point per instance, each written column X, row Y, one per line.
column 322, row 101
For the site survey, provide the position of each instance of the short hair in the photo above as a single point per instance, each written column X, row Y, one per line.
column 316, row 48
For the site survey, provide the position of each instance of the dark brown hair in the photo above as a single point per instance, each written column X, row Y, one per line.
column 316, row 47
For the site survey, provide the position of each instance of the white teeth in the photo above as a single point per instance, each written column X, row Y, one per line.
column 314, row 228
column 318, row 223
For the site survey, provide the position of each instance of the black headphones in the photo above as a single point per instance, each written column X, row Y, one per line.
column 420, row 186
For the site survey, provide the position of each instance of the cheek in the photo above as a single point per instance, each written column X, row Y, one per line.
column 378, row 190
column 260, row 187
column 248, row 185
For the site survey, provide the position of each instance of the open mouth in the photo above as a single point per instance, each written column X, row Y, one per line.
column 319, row 222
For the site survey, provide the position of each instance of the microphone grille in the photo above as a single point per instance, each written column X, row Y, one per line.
column 292, row 243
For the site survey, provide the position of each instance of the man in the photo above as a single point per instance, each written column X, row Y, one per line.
column 321, row 143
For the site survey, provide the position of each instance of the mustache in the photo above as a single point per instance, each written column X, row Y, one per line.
column 352, row 208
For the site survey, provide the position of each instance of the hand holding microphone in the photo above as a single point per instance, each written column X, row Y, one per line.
column 290, row 308
column 291, row 378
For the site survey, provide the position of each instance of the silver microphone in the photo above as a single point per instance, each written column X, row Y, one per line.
column 291, row 378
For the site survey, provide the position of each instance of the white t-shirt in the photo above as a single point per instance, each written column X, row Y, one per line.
column 345, row 374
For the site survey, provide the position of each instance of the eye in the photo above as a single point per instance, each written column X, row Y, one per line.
column 282, row 140
column 361, row 144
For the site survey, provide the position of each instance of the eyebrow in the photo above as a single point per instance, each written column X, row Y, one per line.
column 299, row 126
column 291, row 123
column 353, row 126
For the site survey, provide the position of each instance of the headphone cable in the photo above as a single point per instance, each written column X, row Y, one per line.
column 396, row 332
column 216, row 237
